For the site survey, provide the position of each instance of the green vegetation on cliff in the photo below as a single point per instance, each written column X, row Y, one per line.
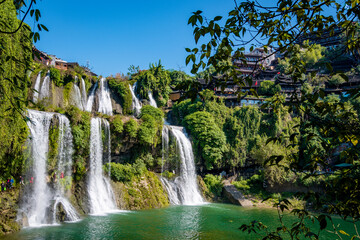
column 142, row 192
column 80, row 126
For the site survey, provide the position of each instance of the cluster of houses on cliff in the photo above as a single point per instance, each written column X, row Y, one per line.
column 261, row 66
column 52, row 60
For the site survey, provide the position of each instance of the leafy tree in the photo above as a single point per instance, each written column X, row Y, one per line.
column 156, row 113
column 131, row 128
column 336, row 80
column 147, row 130
column 156, row 80
column 209, row 140
column 268, row 88
column 56, row 77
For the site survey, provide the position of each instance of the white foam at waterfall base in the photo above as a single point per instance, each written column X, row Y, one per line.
column 91, row 98
column 38, row 200
column 101, row 196
column 105, row 105
column 152, row 100
column 136, row 104
column 184, row 189
column 37, row 88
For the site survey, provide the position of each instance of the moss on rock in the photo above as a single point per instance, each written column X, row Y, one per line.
column 143, row 192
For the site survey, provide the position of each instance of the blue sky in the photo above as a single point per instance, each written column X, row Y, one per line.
column 112, row 35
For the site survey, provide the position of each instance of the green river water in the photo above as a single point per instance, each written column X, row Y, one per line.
column 210, row 221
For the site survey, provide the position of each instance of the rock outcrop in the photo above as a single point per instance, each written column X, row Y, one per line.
column 235, row 196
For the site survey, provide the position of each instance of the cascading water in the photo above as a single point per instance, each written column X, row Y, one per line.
column 101, row 196
column 91, row 98
column 76, row 99
column 38, row 195
column 104, row 98
column 38, row 200
column 65, row 162
column 45, row 87
column 83, row 93
column 37, row 88
column 152, row 100
column 136, row 104
column 184, row 188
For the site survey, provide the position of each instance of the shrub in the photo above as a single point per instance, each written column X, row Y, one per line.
column 147, row 130
column 242, row 185
column 125, row 172
column 168, row 175
column 131, row 128
column 214, row 184
column 117, row 125
column 120, row 172
column 55, row 76
column 156, row 113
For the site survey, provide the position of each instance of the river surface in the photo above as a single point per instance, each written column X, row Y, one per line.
column 209, row 221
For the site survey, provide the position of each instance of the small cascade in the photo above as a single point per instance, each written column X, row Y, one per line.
column 104, row 98
column 152, row 100
column 45, row 87
column 37, row 88
column 76, row 99
column 172, row 190
column 101, row 196
column 83, row 93
column 184, row 188
column 91, row 98
column 136, row 104
column 71, row 214
column 65, row 146
column 38, row 199
column 165, row 146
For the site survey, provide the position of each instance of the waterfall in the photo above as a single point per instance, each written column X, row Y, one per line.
column 39, row 196
column 165, row 146
column 37, row 88
column 104, row 98
column 65, row 146
column 152, row 100
column 76, row 99
column 184, row 188
column 65, row 162
column 136, row 104
column 38, row 200
column 45, row 87
column 90, row 100
column 83, row 93
column 101, row 196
